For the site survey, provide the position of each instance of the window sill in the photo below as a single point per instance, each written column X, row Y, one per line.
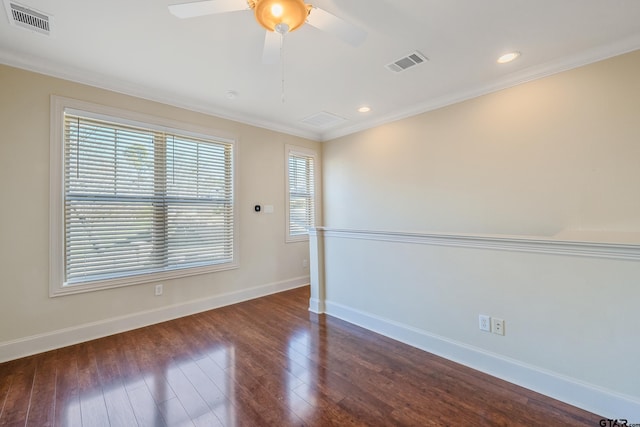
column 57, row 290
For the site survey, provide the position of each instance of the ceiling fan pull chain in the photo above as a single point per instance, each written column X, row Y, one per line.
column 282, row 64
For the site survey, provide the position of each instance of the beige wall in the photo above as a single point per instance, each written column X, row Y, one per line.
column 558, row 153
column 25, row 307
column 557, row 157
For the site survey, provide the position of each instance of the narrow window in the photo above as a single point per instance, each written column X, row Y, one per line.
column 301, row 203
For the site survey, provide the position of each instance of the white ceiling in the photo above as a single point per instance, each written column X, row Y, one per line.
column 138, row 47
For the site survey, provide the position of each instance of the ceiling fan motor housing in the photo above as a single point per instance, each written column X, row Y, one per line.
column 271, row 13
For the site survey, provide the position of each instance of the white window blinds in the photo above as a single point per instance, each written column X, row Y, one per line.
column 142, row 201
column 301, row 178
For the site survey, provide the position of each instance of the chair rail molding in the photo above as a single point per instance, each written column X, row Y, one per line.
column 536, row 244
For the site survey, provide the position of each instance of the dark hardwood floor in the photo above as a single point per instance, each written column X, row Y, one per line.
column 266, row 362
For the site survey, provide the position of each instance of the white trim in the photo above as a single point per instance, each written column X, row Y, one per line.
column 545, row 245
column 58, row 106
column 56, row 195
column 316, row 273
column 138, row 279
column 27, row 346
column 574, row 392
column 316, row 306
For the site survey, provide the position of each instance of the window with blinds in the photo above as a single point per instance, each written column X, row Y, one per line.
column 300, row 192
column 142, row 201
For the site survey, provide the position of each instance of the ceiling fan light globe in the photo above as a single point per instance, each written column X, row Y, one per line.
column 276, row 10
column 270, row 13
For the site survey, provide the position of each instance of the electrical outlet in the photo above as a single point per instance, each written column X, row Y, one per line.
column 305, row 263
column 485, row 322
column 158, row 290
column 497, row 326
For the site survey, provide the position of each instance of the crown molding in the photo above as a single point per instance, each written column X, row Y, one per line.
column 523, row 76
column 77, row 75
column 101, row 81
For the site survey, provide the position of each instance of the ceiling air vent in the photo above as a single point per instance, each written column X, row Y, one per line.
column 406, row 62
column 323, row 120
column 25, row 17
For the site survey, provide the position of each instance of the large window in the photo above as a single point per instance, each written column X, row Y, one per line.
column 139, row 202
column 301, row 192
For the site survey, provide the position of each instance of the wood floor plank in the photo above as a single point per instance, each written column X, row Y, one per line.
column 43, row 395
column 321, row 414
column 255, row 399
column 119, row 409
column 6, row 380
column 131, row 373
column 152, row 359
column 146, row 410
column 208, row 420
column 93, row 407
column 16, row 406
column 67, row 404
column 216, row 375
column 174, row 413
column 264, row 362
column 186, row 393
column 207, row 389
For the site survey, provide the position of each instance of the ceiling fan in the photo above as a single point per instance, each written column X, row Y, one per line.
column 278, row 17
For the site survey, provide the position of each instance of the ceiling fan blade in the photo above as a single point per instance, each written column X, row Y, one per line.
column 271, row 52
column 207, row 7
column 342, row 29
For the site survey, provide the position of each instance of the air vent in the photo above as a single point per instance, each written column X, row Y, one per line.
column 25, row 17
column 407, row 62
column 323, row 120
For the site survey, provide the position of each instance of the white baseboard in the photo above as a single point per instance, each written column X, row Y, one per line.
column 34, row 344
column 569, row 390
column 316, row 306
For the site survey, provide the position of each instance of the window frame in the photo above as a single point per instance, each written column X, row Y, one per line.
column 60, row 105
column 306, row 152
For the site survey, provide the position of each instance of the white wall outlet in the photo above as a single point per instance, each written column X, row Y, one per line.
column 305, row 263
column 159, row 290
column 497, row 326
column 485, row 322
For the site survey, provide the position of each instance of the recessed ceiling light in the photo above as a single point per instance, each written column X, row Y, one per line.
column 364, row 109
column 508, row 57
